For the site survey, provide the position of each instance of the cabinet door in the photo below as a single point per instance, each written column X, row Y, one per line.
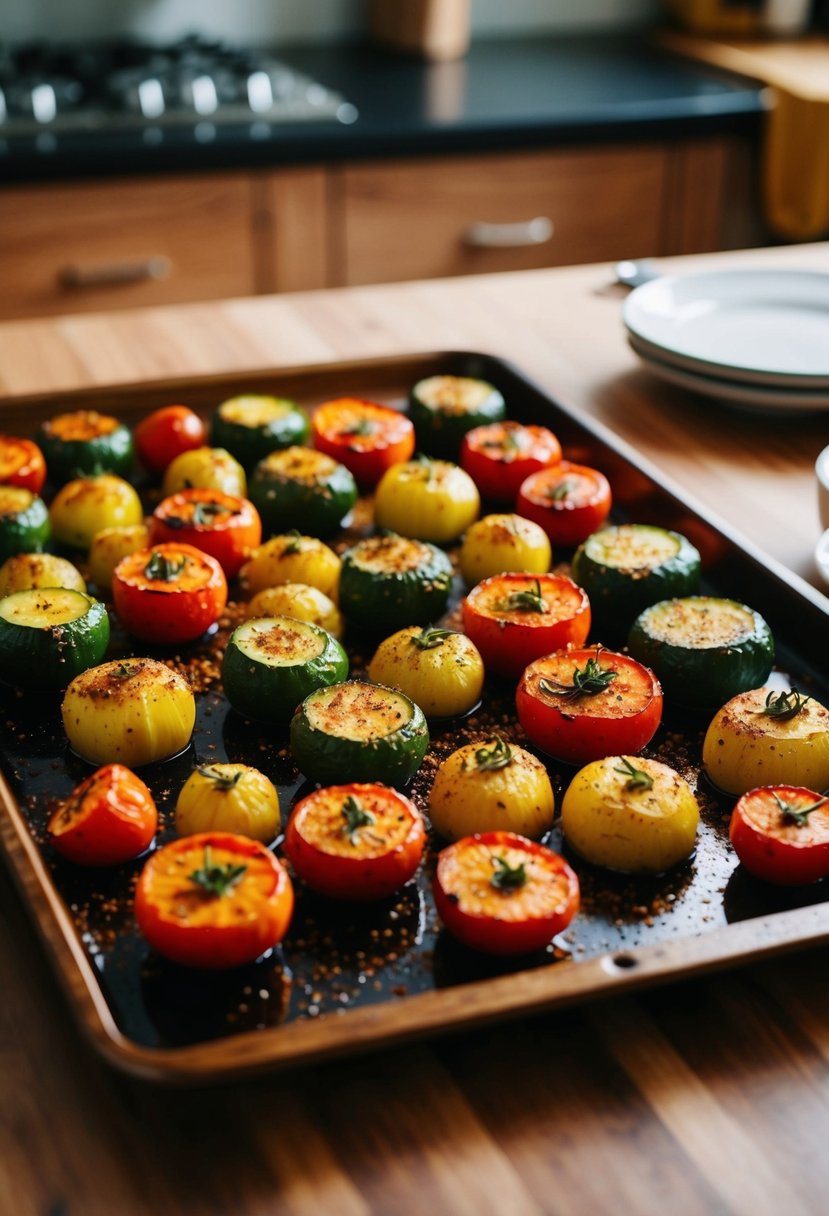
column 125, row 243
column 436, row 217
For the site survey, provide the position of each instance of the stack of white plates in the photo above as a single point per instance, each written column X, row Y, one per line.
column 755, row 339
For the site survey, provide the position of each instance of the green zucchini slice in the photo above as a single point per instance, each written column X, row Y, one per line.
column 627, row 567
column 272, row 663
column 444, row 408
column 252, row 426
column 391, row 581
column 24, row 522
column 703, row 650
column 356, row 731
column 50, row 635
column 85, row 443
column 302, row 486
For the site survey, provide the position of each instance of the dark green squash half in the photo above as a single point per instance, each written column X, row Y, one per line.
column 444, row 408
column 390, row 581
column 50, row 635
column 358, row 731
column 252, row 426
column 302, row 487
column 703, row 650
column 272, row 663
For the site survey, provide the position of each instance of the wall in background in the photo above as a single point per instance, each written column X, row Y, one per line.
column 275, row 21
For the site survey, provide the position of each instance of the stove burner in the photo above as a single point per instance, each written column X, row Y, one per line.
column 128, row 85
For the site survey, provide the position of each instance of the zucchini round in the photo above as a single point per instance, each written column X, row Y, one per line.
column 444, row 408
column 84, row 443
column 391, row 581
column 703, row 650
column 24, row 522
column 359, row 732
column 627, row 567
column 272, row 663
column 253, row 425
column 300, row 484
column 50, row 635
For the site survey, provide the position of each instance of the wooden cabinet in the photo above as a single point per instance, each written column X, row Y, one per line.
column 437, row 217
column 143, row 241
column 126, row 243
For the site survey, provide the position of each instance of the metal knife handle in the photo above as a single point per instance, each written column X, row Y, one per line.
column 113, row 274
column 536, row 231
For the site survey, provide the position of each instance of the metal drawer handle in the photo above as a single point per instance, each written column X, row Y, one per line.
column 113, row 274
column 536, row 231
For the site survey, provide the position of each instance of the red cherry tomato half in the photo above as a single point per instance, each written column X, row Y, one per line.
column 226, row 527
column 569, row 501
column 502, row 455
column 366, row 437
column 356, row 842
column 169, row 593
column 109, row 818
column 21, row 464
column 514, row 618
column 213, row 900
column 781, row 834
column 503, row 894
column 165, row 434
column 581, row 705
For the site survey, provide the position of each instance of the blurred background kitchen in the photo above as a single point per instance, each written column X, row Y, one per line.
column 161, row 151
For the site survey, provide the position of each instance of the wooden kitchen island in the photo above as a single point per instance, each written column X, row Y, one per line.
column 700, row 1097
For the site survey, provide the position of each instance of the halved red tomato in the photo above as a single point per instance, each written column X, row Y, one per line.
column 165, row 434
column 504, row 894
column 223, row 525
column 169, row 593
column 514, row 618
column 569, row 501
column 21, row 464
column 502, row 455
column 366, row 437
column 109, row 818
column 213, row 900
column 781, row 834
column 581, row 705
column 358, row 841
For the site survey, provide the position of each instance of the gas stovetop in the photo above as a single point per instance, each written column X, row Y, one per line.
column 132, row 86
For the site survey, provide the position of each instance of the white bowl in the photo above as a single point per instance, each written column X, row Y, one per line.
column 822, row 470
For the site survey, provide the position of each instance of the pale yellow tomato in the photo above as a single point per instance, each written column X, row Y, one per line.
column 205, row 469
column 766, row 737
column 27, row 571
column 490, row 787
column 227, row 797
column 630, row 814
column 432, row 500
column 128, row 711
column 291, row 558
column 300, row 601
column 501, row 544
column 85, row 506
column 109, row 546
column 440, row 670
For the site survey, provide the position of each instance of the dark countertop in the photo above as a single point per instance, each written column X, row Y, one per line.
column 527, row 93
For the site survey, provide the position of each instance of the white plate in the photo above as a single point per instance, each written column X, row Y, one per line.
column 755, row 398
column 766, row 327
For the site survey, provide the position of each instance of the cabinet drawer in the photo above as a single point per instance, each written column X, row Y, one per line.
column 432, row 217
column 119, row 244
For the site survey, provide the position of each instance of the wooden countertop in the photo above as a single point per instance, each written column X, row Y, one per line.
column 700, row 1097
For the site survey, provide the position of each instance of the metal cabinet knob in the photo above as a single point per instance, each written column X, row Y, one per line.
column 113, row 274
column 536, row 231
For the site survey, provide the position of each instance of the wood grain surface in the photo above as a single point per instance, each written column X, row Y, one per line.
column 709, row 1096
